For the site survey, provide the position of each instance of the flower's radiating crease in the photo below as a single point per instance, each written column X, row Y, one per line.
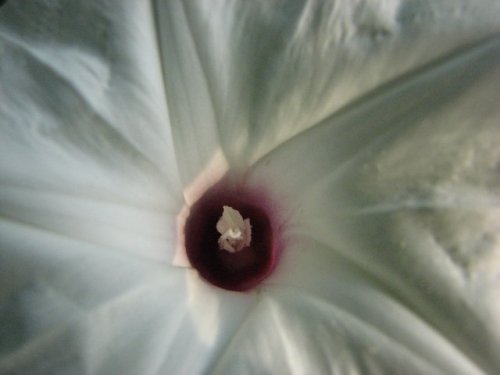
column 230, row 341
column 66, row 124
column 351, row 341
column 384, row 114
column 403, row 329
column 470, row 69
column 83, row 320
column 249, row 52
column 188, row 96
column 128, row 229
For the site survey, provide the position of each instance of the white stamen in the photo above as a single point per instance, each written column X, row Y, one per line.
column 236, row 233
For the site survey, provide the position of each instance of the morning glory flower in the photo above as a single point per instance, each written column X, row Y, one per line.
column 249, row 187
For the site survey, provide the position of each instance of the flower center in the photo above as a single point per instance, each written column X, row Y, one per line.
column 232, row 238
column 235, row 232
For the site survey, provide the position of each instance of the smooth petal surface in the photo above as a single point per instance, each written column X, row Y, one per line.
column 85, row 97
column 89, row 191
column 267, row 70
column 397, row 200
column 85, row 145
column 194, row 122
column 47, row 282
column 311, row 334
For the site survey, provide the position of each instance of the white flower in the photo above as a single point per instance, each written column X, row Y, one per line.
column 372, row 124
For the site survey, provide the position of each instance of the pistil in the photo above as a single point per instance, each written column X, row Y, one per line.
column 235, row 233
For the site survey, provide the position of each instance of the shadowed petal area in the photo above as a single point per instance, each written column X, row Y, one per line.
column 267, row 70
column 88, row 190
column 315, row 335
column 48, row 280
column 85, row 148
column 81, row 89
column 402, row 186
column 70, row 307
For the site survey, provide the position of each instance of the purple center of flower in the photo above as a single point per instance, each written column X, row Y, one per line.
column 230, row 238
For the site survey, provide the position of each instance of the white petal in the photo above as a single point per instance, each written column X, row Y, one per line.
column 403, row 185
column 311, row 335
column 82, row 102
column 143, row 232
column 85, row 148
column 70, row 307
column 96, row 308
column 350, row 137
column 274, row 69
column 48, row 281
column 194, row 124
column 88, row 177
column 128, row 334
